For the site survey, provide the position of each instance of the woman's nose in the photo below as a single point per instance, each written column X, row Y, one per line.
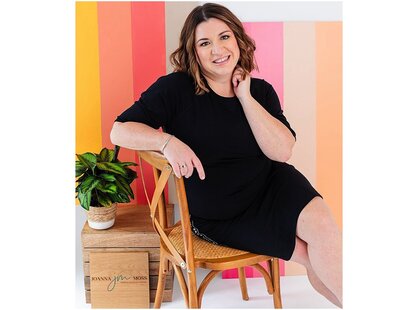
column 216, row 48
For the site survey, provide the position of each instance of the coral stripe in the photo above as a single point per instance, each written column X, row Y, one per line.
column 88, row 113
column 115, row 67
column 148, row 58
column 329, row 114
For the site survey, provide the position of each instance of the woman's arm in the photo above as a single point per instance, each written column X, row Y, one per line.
column 140, row 136
column 274, row 138
column 137, row 136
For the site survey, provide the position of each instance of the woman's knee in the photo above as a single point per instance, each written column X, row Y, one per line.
column 316, row 222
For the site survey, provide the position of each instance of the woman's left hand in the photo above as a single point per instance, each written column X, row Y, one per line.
column 241, row 86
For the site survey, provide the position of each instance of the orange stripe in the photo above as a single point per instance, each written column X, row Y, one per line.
column 88, row 114
column 148, row 58
column 329, row 114
column 115, row 67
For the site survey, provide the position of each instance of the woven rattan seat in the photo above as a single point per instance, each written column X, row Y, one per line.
column 202, row 248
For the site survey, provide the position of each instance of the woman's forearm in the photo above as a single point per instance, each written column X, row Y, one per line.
column 137, row 136
column 274, row 138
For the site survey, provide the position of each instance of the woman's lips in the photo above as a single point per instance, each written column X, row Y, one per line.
column 222, row 60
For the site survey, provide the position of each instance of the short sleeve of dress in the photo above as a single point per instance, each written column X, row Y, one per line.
column 273, row 106
column 155, row 106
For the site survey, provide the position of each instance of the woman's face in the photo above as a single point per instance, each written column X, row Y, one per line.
column 216, row 48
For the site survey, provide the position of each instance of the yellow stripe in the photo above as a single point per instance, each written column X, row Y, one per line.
column 329, row 114
column 88, row 108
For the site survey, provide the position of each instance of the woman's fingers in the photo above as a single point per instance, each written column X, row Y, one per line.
column 177, row 171
column 200, row 170
column 189, row 170
column 182, row 159
column 236, row 77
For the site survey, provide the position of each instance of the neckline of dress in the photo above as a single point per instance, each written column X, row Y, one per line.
column 219, row 96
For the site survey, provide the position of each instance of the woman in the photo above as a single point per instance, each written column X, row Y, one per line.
column 226, row 134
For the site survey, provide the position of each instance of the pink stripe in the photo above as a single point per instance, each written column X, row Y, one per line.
column 269, row 56
column 269, row 52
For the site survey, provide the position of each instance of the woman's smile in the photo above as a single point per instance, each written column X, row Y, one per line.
column 222, row 60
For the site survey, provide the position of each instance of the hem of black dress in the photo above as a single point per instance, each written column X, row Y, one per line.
column 289, row 250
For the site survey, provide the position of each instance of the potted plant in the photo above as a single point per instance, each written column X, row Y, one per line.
column 102, row 182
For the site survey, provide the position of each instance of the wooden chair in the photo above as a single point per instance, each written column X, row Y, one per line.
column 186, row 251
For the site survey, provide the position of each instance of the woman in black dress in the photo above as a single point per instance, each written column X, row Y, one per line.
column 226, row 134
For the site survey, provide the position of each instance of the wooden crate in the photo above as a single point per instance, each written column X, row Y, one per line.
column 132, row 231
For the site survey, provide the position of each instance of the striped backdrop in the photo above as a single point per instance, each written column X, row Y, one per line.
column 123, row 47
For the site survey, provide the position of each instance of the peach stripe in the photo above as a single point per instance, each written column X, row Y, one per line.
column 300, row 101
column 115, row 67
column 88, row 114
column 329, row 114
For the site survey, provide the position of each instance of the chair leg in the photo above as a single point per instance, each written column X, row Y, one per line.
column 192, row 290
column 243, row 286
column 182, row 284
column 276, row 283
column 162, row 275
column 207, row 279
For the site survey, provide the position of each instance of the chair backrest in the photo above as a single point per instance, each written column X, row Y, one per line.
column 162, row 171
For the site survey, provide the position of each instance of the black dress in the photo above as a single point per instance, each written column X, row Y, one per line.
column 247, row 201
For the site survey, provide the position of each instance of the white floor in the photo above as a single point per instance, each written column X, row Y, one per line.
column 296, row 292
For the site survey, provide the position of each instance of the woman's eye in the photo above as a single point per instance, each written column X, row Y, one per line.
column 225, row 37
column 204, row 43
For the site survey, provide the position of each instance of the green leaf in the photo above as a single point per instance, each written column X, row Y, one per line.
column 108, row 188
column 79, row 168
column 123, row 186
column 89, row 183
column 84, row 199
column 107, row 177
column 88, row 159
column 120, row 197
column 130, row 175
column 83, row 177
column 111, row 167
column 106, row 155
column 104, row 200
column 127, row 163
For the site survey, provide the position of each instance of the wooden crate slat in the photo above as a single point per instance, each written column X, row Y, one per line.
column 154, row 253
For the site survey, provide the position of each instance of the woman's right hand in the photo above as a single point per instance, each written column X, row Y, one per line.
column 182, row 159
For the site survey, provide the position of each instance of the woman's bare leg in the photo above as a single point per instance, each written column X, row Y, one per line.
column 300, row 256
column 317, row 227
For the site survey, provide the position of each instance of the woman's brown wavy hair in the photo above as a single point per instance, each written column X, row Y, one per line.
column 183, row 59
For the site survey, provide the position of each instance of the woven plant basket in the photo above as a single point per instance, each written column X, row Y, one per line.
column 102, row 217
